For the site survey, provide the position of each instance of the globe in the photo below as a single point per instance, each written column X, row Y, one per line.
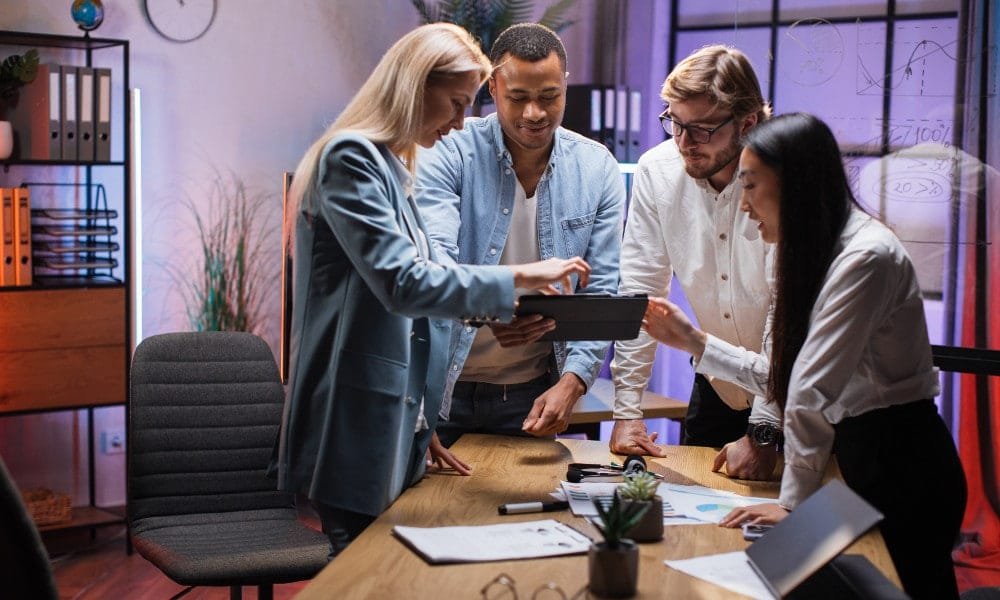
column 88, row 14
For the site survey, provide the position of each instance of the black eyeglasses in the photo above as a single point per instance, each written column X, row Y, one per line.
column 698, row 135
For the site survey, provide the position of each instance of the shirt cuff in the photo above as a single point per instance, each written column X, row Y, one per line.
column 797, row 484
column 766, row 412
column 627, row 404
column 720, row 359
column 579, row 368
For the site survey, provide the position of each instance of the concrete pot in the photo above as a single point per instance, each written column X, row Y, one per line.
column 650, row 526
column 613, row 573
column 6, row 140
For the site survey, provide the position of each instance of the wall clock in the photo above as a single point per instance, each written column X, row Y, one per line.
column 181, row 20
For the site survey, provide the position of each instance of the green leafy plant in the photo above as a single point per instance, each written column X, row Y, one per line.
column 485, row 19
column 15, row 71
column 618, row 518
column 639, row 487
column 228, row 290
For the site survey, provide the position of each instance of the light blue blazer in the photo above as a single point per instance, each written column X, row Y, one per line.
column 369, row 336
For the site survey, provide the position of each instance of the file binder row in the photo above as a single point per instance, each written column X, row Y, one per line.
column 64, row 114
column 15, row 235
column 52, row 242
column 610, row 115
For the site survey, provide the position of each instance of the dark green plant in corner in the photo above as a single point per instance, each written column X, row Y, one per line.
column 15, row 71
column 485, row 19
column 228, row 291
column 617, row 519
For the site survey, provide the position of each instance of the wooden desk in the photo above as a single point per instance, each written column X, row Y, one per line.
column 511, row 469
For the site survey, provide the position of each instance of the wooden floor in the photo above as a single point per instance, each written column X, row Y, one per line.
column 99, row 569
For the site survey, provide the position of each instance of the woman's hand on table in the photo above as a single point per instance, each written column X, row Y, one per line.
column 440, row 458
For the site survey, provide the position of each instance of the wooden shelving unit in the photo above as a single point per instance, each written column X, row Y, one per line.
column 64, row 340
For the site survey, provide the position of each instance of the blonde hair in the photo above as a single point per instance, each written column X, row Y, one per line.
column 388, row 108
column 723, row 74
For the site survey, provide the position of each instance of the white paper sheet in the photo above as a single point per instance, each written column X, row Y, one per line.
column 505, row 541
column 731, row 570
column 703, row 503
column 581, row 497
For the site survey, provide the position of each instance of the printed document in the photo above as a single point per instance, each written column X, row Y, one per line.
column 483, row 543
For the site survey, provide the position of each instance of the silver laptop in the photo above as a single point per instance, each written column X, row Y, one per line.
column 804, row 544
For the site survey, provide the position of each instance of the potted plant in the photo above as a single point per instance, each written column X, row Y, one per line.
column 485, row 19
column 614, row 563
column 640, row 488
column 231, row 285
column 15, row 71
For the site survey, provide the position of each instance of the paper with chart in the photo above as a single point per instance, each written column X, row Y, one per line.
column 505, row 541
column 731, row 570
column 704, row 503
column 581, row 495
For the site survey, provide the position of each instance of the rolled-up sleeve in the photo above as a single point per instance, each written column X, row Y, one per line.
column 645, row 269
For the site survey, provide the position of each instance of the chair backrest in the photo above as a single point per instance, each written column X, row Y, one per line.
column 204, row 413
column 24, row 564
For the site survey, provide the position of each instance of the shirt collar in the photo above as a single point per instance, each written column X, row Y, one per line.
column 726, row 192
column 403, row 174
column 500, row 147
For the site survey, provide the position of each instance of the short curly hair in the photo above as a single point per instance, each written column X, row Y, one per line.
column 528, row 41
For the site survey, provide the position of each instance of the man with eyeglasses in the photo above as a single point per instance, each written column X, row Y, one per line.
column 684, row 221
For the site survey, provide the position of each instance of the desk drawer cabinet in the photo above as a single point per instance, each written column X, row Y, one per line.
column 62, row 348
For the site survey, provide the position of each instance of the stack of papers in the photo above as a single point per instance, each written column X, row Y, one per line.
column 506, row 541
column 682, row 504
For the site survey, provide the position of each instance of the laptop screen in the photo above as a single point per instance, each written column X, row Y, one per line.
column 811, row 536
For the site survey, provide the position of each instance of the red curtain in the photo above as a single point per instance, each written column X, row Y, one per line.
column 977, row 559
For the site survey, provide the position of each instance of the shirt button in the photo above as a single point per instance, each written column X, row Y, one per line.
column 507, row 171
column 726, row 315
column 469, row 328
column 493, row 251
column 506, row 211
column 454, row 367
column 724, row 277
column 722, row 236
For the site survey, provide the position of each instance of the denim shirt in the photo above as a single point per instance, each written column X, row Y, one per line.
column 465, row 191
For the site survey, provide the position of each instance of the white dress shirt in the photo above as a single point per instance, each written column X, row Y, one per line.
column 681, row 226
column 867, row 348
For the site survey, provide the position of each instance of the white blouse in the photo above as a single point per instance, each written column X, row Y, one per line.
column 867, row 348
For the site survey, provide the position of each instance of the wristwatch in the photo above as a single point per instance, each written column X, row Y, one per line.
column 766, row 434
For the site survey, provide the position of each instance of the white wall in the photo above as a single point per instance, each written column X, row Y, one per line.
column 248, row 97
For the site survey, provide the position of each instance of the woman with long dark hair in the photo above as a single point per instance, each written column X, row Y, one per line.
column 846, row 354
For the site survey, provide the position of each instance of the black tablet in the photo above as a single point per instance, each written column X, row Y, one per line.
column 587, row 316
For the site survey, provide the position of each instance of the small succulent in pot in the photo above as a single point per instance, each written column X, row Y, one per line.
column 617, row 519
column 640, row 488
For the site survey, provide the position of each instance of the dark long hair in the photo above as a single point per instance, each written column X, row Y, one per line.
column 814, row 205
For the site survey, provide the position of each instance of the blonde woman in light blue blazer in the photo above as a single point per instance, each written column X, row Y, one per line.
column 367, row 349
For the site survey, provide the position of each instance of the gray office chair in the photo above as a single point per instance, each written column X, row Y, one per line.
column 25, row 571
column 204, row 411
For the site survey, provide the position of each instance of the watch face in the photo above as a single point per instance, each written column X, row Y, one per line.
column 181, row 20
column 765, row 435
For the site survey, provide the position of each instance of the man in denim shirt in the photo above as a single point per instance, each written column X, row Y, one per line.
column 507, row 187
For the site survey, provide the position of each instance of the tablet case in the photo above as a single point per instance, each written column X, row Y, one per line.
column 587, row 316
column 798, row 558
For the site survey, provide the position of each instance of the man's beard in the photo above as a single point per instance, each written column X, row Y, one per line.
column 725, row 156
